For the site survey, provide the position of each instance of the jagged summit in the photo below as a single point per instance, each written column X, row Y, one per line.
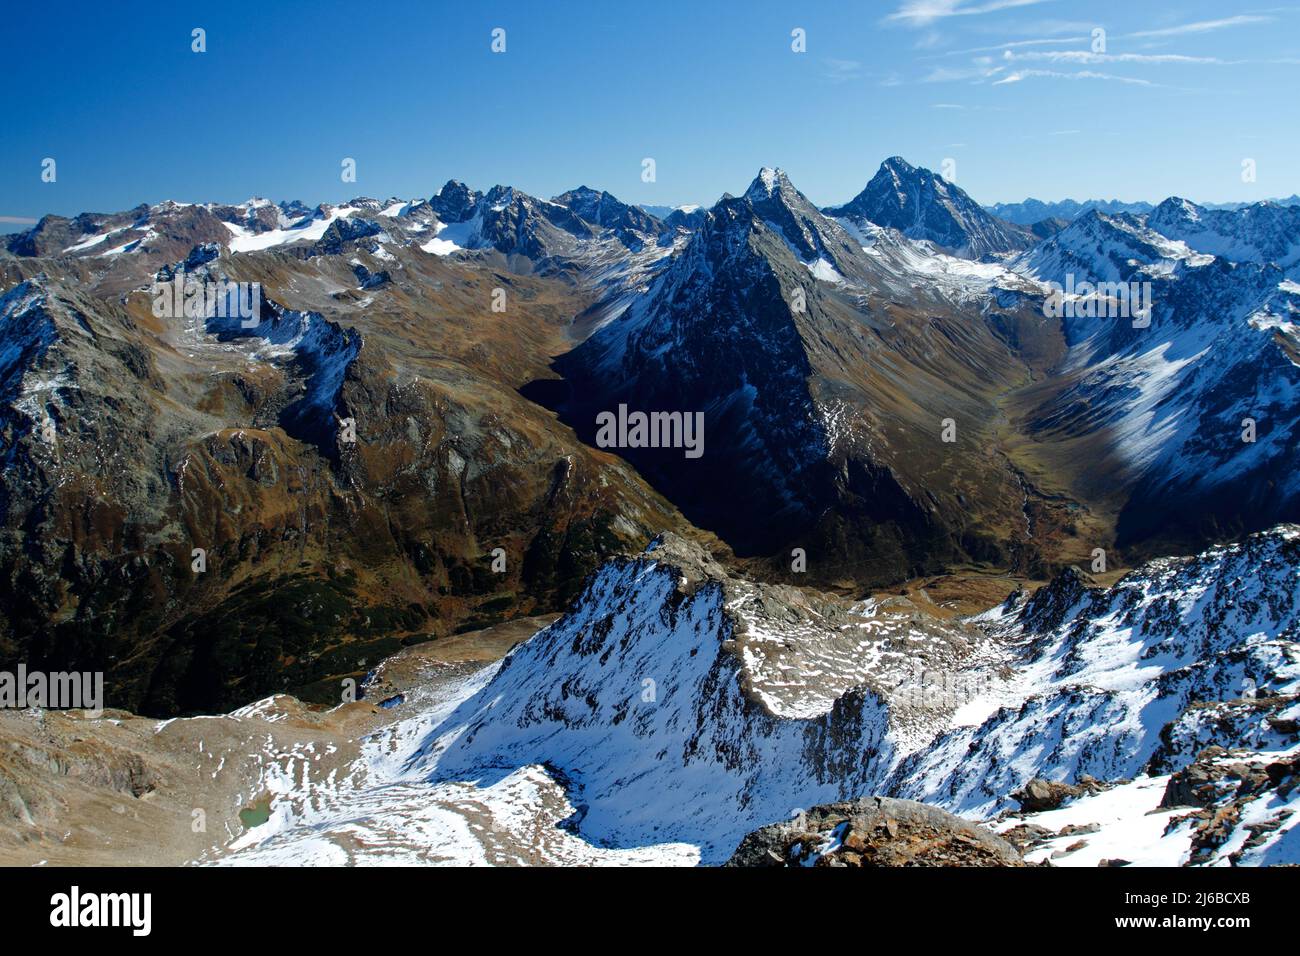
column 817, row 242
column 768, row 181
column 923, row 205
column 514, row 222
column 454, row 201
column 1262, row 232
column 1175, row 206
column 632, row 225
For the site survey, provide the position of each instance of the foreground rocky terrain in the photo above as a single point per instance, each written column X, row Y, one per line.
column 675, row 709
column 129, row 790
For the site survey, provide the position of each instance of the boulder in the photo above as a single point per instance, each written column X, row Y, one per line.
column 1039, row 795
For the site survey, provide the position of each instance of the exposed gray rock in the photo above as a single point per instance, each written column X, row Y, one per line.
column 875, row 831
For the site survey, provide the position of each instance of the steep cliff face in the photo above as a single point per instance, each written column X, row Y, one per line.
column 672, row 710
column 652, row 716
column 1072, row 683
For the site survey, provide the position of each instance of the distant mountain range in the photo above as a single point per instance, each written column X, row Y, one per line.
column 1032, row 211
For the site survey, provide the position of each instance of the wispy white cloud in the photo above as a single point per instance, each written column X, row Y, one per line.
column 1020, row 75
column 920, row 13
column 1016, row 44
column 1040, row 27
column 1204, row 26
column 1082, row 33
column 1033, row 47
column 1086, row 58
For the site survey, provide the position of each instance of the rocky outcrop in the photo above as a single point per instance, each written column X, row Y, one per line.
column 1116, row 681
column 1264, row 720
column 871, row 832
column 1242, row 801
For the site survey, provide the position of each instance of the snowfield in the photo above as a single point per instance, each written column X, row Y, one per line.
column 243, row 240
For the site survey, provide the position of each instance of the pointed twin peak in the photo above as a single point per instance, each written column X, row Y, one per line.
column 775, row 198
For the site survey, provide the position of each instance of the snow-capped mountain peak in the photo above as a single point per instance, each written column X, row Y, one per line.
column 923, row 205
column 768, row 181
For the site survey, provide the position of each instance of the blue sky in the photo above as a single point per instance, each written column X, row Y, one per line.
column 1009, row 89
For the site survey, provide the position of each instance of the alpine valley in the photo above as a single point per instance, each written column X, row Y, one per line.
column 958, row 560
